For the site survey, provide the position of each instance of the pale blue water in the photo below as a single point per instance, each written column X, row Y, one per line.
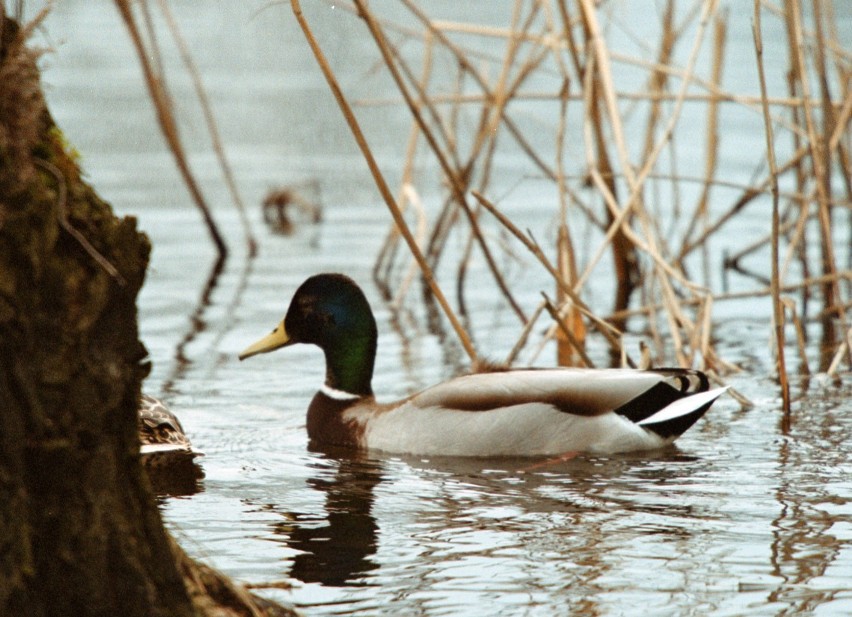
column 744, row 517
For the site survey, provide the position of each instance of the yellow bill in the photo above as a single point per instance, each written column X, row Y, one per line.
column 278, row 338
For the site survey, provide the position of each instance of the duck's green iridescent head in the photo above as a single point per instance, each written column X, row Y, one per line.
column 330, row 311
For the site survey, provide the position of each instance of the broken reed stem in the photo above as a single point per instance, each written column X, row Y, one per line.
column 828, row 121
column 163, row 106
column 565, row 255
column 777, row 308
column 381, row 184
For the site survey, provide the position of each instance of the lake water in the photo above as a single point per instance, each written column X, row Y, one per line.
column 746, row 516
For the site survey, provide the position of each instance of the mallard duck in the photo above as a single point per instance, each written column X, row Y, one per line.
column 515, row 412
column 162, row 440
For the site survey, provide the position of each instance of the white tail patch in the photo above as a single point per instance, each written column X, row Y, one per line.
column 683, row 406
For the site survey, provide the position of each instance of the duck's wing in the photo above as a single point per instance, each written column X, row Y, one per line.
column 636, row 395
column 538, row 412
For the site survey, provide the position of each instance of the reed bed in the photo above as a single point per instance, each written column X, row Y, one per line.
column 599, row 116
column 605, row 162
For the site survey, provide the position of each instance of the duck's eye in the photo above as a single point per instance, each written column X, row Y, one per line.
column 318, row 318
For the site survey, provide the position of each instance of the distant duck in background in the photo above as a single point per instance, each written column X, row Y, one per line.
column 513, row 412
column 281, row 202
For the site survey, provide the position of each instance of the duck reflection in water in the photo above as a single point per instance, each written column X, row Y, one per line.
column 336, row 549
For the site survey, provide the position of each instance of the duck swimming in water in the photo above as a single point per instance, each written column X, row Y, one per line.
column 162, row 440
column 512, row 412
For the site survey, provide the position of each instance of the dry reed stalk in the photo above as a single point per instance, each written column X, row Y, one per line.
column 829, row 122
column 618, row 228
column 636, row 181
column 712, row 131
column 796, row 247
column 801, row 339
column 458, row 183
column 212, row 126
column 611, row 334
column 486, row 139
column 706, row 320
column 841, row 129
column 708, row 10
column 540, row 30
column 155, row 80
column 384, row 261
column 844, row 347
column 410, row 196
column 565, row 255
column 381, row 184
column 524, row 336
column 677, row 319
column 658, row 79
column 820, row 165
column 714, row 93
column 469, row 68
column 651, row 308
column 596, row 79
column 567, row 348
column 777, row 309
column 567, row 332
column 598, row 166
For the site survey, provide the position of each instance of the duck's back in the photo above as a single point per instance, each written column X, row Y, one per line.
column 540, row 412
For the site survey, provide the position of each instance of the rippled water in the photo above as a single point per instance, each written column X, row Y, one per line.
column 746, row 516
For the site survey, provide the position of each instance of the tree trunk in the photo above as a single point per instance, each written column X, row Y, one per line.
column 80, row 533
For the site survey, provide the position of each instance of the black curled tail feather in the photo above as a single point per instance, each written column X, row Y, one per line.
column 685, row 380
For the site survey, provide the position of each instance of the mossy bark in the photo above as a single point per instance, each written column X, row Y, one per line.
column 80, row 533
